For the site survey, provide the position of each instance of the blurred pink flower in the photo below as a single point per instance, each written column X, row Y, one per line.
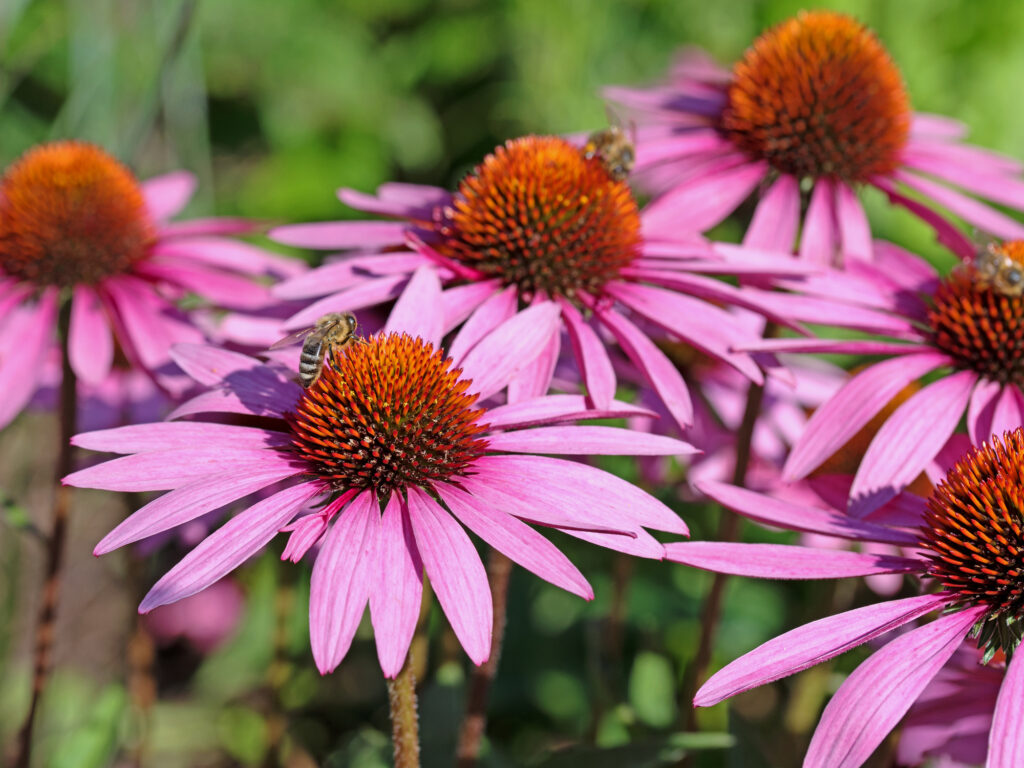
column 541, row 223
column 205, row 619
column 390, row 423
column 816, row 106
column 965, row 542
column 75, row 223
column 959, row 327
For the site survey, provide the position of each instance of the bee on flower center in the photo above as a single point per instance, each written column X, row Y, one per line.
column 614, row 148
column 334, row 330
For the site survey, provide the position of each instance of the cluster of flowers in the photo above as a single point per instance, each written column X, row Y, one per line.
column 446, row 417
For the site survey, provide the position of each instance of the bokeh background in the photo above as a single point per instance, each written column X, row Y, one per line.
column 274, row 104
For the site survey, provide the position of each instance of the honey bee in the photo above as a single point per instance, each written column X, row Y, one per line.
column 995, row 269
column 332, row 331
column 615, row 149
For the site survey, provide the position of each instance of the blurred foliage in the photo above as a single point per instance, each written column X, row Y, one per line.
column 274, row 105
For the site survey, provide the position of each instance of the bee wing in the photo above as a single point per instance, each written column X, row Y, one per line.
column 983, row 241
column 292, row 338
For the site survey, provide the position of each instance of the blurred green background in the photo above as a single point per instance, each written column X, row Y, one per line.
column 274, row 104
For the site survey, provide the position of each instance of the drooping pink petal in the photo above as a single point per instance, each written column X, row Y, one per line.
column 854, row 230
column 456, row 574
column 509, row 348
column 90, row 344
column 420, row 195
column 557, row 408
column 460, row 302
column 984, row 217
column 203, row 494
column 495, row 310
column 141, row 311
column 167, row 195
column 853, row 406
column 163, row 470
column 395, row 598
column 837, row 347
column 811, row 644
column 365, row 294
column 655, row 366
column 164, row 435
column 224, row 253
column 581, row 440
column 595, row 496
column 228, row 547
column 31, row 333
column 346, row 273
column 946, row 232
column 382, row 206
column 826, row 311
column 418, row 310
column 820, row 235
column 534, row 379
column 981, row 409
column 877, row 694
column 207, row 282
column 777, row 217
column 1006, row 739
column 784, row 514
column 700, row 204
column 518, row 541
column 345, row 571
column 784, row 561
column 331, row 235
column 909, row 439
column 591, row 357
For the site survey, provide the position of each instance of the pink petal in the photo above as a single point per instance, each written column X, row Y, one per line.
column 210, row 365
column 163, row 470
column 167, row 195
column 586, row 492
column 877, row 694
column 141, row 312
column 853, row 406
column 90, row 344
column 811, row 644
column 163, row 436
column 495, row 310
column 784, row 561
column 509, row 348
column 819, row 239
column 826, row 311
column 909, row 439
column 214, row 226
column 344, row 573
column 838, row 347
column 535, row 379
column 591, row 357
column 228, row 547
column 938, row 126
column 330, row 235
column 970, row 210
column 212, row 285
column 1007, row 416
column 776, row 217
column 346, row 273
column 420, row 195
column 366, row 294
column 854, row 230
column 981, row 409
column 656, row 368
column 395, row 599
column 203, row 494
column 1006, row 739
column 22, row 362
column 516, row 540
column 783, row 514
column 418, row 310
column 704, row 326
column 556, row 408
column 224, row 253
column 456, row 574
column 609, row 441
column 946, row 233
column 997, row 186
column 700, row 204
column 260, row 394
column 372, row 204
column 460, row 302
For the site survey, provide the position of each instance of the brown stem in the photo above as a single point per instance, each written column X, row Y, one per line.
column 405, row 727
column 474, row 722
column 728, row 528
column 45, row 624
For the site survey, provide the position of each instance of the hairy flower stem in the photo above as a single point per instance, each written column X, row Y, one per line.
column 45, row 624
column 728, row 528
column 474, row 722
column 405, row 726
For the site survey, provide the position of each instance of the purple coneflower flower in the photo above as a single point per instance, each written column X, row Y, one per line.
column 541, row 222
column 75, row 225
column 817, row 106
column 390, row 424
column 963, row 327
column 969, row 540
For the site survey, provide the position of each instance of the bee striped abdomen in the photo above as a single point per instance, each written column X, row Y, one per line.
column 311, row 361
